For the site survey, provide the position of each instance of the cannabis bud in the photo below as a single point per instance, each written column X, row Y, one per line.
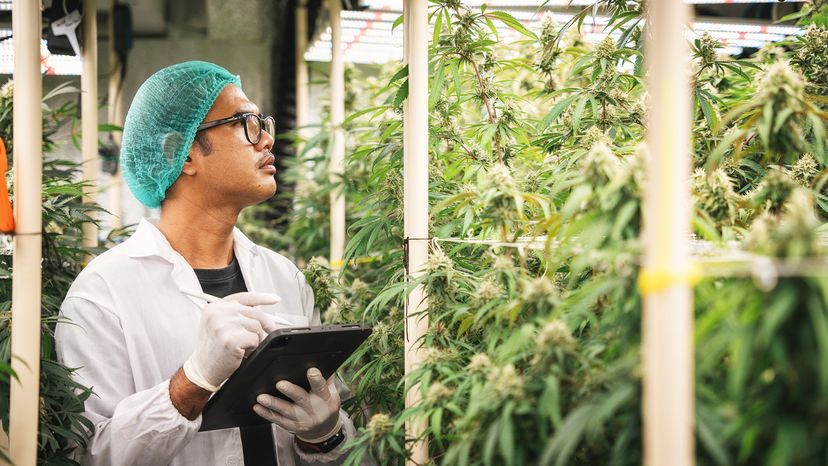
column 500, row 177
column 600, row 165
column 438, row 392
column 359, row 289
column 503, row 263
column 811, row 58
column 479, row 363
column 379, row 425
column 436, row 355
column 540, row 293
column 714, row 195
column 381, row 331
column 506, row 382
column 606, row 48
column 595, row 135
column 333, row 315
column 531, row 180
column 7, row 91
column 773, row 191
column 554, row 334
column 392, row 186
column 707, row 47
column 306, row 189
column 779, row 82
column 439, row 262
column 318, row 275
column 548, row 30
column 488, row 290
column 804, row 170
column 792, row 234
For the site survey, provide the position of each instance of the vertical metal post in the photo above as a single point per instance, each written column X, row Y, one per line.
column 89, row 112
column 415, row 204
column 114, row 102
column 667, row 327
column 337, row 163
column 26, row 279
column 302, row 80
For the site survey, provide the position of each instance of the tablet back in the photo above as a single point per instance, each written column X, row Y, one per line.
column 285, row 354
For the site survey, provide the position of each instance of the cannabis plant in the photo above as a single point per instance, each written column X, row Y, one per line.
column 62, row 425
column 536, row 163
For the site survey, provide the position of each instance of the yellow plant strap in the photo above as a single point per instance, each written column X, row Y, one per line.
column 654, row 280
column 337, row 264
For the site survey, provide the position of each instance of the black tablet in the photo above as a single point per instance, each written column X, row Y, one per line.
column 285, row 354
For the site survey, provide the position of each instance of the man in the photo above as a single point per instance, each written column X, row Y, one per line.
column 194, row 145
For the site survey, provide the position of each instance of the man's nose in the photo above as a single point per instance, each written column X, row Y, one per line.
column 266, row 140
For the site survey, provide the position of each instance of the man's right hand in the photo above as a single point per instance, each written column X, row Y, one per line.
column 228, row 331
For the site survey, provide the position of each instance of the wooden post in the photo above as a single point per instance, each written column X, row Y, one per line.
column 114, row 116
column 415, row 204
column 302, row 80
column 667, row 327
column 26, row 279
column 337, row 163
column 89, row 115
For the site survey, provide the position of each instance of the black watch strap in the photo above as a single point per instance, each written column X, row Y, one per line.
column 322, row 447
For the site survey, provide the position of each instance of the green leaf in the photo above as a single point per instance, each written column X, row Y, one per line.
column 576, row 115
column 438, row 29
column 511, row 22
column 397, row 22
column 724, row 145
column 710, row 114
column 506, row 437
column 402, row 94
column 105, row 127
column 437, row 80
column 556, row 111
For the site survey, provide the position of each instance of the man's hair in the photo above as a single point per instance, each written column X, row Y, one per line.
column 203, row 142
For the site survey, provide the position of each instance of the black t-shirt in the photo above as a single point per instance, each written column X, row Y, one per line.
column 257, row 441
column 222, row 282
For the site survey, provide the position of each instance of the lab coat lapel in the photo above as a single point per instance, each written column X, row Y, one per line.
column 148, row 241
column 250, row 263
column 185, row 278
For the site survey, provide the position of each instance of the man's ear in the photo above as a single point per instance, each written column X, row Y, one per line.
column 189, row 166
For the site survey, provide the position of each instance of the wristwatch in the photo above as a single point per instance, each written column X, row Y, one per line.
column 324, row 446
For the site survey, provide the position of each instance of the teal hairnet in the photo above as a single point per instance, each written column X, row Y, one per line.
column 161, row 125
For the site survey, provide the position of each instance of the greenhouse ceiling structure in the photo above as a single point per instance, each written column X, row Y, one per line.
column 369, row 36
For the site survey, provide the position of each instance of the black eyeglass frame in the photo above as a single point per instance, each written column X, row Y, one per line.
column 242, row 117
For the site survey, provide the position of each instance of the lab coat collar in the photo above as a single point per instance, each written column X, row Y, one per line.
column 148, row 241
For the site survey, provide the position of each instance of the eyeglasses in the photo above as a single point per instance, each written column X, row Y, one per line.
column 253, row 125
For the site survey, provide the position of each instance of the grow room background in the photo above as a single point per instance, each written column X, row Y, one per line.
column 583, row 233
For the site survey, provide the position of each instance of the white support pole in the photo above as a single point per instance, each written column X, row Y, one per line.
column 667, row 327
column 114, row 102
column 89, row 112
column 302, row 79
column 415, row 204
column 26, row 279
column 337, row 165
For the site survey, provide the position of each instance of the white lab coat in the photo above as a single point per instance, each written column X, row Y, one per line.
column 131, row 329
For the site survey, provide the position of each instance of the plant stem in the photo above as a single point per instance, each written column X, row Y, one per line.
column 490, row 109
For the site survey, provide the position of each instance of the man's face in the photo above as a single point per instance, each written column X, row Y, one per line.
column 234, row 172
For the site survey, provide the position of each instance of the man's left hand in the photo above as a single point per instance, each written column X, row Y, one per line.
column 313, row 416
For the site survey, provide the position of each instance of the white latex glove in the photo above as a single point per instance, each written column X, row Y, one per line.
column 229, row 330
column 313, row 416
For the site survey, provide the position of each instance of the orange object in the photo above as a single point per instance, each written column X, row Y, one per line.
column 6, row 215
